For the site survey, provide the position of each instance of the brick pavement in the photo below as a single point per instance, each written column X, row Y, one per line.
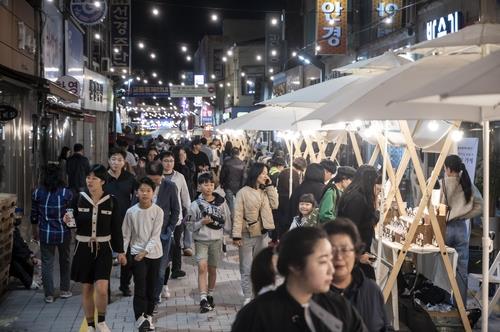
column 24, row 310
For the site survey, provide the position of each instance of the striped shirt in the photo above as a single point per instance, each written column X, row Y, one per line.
column 47, row 210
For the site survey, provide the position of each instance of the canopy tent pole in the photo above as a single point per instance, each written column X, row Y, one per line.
column 290, row 184
column 486, row 224
column 382, row 207
column 355, row 146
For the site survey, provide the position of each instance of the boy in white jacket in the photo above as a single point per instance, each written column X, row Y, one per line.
column 206, row 219
column 141, row 231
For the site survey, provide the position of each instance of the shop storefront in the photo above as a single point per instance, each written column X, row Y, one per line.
column 97, row 104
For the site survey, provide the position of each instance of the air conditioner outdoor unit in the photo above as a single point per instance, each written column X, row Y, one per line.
column 105, row 64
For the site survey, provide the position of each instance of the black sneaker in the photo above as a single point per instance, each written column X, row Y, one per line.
column 205, row 306
column 155, row 308
column 177, row 274
column 210, row 300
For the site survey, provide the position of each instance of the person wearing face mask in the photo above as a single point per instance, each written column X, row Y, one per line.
column 328, row 206
column 359, row 203
column 253, row 218
column 304, row 301
column 121, row 184
column 349, row 280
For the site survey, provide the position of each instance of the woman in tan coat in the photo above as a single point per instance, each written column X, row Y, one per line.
column 252, row 219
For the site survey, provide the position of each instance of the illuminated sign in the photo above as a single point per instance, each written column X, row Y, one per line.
column 444, row 25
column 331, row 27
column 120, row 34
column 389, row 12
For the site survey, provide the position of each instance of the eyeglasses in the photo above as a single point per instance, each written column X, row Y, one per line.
column 342, row 251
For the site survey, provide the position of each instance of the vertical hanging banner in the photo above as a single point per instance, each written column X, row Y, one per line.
column 120, row 35
column 331, row 27
column 389, row 12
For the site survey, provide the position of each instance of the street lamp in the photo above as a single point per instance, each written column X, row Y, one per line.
column 274, row 21
column 141, row 45
column 153, row 56
column 184, row 48
column 258, row 57
column 214, row 17
column 97, row 36
column 155, row 11
column 188, row 58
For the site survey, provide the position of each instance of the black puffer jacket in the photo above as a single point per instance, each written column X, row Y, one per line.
column 312, row 184
column 365, row 295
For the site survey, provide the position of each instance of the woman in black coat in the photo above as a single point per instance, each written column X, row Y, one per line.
column 350, row 281
column 314, row 183
column 359, row 204
column 303, row 303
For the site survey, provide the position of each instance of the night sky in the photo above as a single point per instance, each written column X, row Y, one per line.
column 183, row 22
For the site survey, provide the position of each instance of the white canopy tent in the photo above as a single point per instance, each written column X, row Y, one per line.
column 370, row 100
column 381, row 63
column 319, row 94
column 315, row 95
column 473, row 38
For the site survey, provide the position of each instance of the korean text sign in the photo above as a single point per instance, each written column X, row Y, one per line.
column 331, row 26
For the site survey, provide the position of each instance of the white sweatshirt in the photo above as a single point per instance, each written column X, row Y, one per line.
column 141, row 230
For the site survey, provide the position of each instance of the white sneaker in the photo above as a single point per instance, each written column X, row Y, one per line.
column 151, row 325
column 165, row 292
column 102, row 327
column 142, row 323
column 35, row 285
column 247, row 301
column 65, row 294
column 90, row 329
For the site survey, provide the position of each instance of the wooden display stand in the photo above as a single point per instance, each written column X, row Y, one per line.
column 426, row 188
column 7, row 207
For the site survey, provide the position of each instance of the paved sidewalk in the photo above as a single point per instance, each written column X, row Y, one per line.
column 24, row 310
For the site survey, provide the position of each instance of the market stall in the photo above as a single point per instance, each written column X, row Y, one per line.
column 372, row 101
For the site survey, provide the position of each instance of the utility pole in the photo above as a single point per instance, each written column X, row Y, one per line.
column 488, row 11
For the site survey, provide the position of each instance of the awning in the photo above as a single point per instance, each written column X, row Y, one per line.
column 61, row 93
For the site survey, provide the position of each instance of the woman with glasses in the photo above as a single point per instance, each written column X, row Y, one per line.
column 304, row 302
column 349, row 280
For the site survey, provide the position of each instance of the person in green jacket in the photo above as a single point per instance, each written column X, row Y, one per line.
column 332, row 192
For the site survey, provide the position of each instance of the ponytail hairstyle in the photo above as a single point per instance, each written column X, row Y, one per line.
column 455, row 164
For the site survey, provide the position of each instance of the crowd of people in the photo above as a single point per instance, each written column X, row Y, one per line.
column 304, row 251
